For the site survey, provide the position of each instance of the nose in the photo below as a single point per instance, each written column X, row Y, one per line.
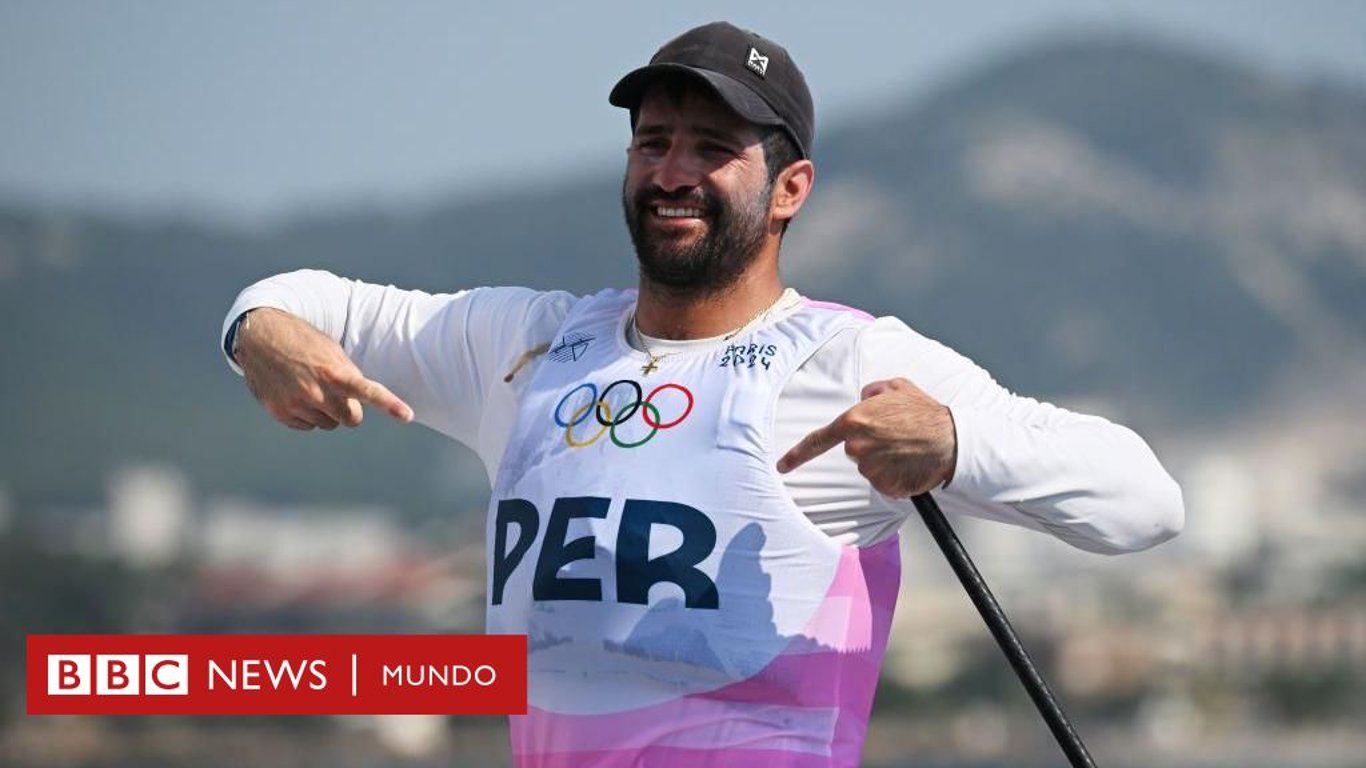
column 678, row 170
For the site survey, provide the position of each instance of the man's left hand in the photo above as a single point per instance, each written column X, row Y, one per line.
column 902, row 439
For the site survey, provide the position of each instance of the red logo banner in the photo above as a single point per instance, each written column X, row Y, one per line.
column 276, row 674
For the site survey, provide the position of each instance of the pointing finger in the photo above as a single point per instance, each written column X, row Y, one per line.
column 378, row 395
column 813, row 445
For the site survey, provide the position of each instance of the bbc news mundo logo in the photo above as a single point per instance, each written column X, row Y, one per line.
column 276, row 674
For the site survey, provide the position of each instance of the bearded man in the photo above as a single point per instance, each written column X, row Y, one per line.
column 702, row 581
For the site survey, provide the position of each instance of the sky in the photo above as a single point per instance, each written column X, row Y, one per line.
column 256, row 109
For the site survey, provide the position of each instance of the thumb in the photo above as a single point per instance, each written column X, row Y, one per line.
column 873, row 389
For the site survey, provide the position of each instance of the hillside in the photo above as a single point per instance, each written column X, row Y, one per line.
column 1179, row 237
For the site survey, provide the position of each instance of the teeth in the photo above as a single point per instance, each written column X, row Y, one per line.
column 691, row 213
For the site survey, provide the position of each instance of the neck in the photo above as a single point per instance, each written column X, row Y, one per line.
column 665, row 313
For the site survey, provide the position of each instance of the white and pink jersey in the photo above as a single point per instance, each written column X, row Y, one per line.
column 684, row 604
column 680, row 608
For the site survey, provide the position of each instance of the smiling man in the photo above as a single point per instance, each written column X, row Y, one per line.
column 703, row 582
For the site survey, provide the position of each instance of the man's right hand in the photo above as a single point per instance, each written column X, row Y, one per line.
column 303, row 378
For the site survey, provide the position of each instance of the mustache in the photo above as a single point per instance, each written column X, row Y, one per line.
column 684, row 198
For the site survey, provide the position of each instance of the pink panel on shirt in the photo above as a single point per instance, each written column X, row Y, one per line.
column 839, row 308
column 844, row 621
column 670, row 756
column 808, row 707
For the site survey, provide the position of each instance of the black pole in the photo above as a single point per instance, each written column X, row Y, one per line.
column 1005, row 636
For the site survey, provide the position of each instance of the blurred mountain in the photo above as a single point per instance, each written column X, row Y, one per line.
column 1180, row 237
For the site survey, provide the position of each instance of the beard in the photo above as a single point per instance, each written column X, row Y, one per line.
column 690, row 264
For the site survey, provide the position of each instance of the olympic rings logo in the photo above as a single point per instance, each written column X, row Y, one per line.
column 600, row 408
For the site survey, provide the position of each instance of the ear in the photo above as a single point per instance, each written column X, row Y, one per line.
column 791, row 189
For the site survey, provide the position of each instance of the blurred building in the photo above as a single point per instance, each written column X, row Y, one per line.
column 149, row 515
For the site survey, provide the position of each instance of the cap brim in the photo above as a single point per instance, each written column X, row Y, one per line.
column 629, row 90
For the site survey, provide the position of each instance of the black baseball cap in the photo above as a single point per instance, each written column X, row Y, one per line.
column 753, row 75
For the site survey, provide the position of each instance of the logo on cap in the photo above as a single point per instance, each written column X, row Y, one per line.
column 757, row 62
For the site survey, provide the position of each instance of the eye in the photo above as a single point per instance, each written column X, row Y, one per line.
column 651, row 144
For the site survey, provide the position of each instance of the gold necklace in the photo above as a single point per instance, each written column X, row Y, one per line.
column 653, row 364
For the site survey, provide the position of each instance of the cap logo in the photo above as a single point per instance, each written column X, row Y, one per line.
column 757, row 62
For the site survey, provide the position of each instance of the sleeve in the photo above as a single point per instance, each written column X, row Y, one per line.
column 442, row 353
column 1092, row 483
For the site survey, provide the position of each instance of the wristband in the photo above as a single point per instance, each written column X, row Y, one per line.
column 230, row 339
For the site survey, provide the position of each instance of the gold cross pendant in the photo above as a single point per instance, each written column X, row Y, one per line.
column 650, row 367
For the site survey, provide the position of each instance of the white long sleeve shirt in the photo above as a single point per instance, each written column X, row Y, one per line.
column 1087, row 481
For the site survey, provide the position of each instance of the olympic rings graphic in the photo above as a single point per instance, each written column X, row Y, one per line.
column 625, row 414
column 578, row 415
column 601, row 410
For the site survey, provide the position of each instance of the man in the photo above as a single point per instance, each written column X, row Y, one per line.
column 701, row 579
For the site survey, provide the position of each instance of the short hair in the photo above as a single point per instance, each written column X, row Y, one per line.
column 780, row 151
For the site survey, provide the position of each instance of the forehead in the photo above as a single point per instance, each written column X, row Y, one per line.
column 674, row 104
